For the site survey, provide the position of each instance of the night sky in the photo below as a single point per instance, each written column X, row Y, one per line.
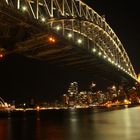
column 124, row 18
column 23, row 79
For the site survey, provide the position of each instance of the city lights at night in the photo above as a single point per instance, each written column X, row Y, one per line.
column 139, row 77
column 69, row 70
column 51, row 40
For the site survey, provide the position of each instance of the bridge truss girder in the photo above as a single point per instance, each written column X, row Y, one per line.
column 73, row 20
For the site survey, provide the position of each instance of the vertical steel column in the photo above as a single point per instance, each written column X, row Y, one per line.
column 63, row 7
column 72, row 8
column 72, row 28
column 18, row 4
column 37, row 9
column 52, row 8
column 3, row 1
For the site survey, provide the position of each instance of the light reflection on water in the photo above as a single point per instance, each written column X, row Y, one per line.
column 73, row 125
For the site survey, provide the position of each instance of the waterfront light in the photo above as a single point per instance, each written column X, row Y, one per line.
column 1, row 55
column 37, row 108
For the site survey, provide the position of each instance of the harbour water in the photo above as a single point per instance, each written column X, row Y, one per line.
column 73, row 124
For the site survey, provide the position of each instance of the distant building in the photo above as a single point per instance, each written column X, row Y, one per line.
column 73, row 93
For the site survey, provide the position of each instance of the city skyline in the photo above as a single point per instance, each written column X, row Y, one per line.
column 22, row 77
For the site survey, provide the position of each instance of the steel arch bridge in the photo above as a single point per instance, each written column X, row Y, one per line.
column 76, row 22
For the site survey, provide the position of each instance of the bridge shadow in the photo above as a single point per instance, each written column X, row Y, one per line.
column 23, row 78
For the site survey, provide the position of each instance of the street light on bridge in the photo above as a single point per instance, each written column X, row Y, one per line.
column 2, row 53
column 70, row 35
column 79, row 41
column 24, row 8
column 51, row 39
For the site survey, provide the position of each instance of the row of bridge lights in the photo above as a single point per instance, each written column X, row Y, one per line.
column 69, row 35
column 94, row 50
column 79, row 41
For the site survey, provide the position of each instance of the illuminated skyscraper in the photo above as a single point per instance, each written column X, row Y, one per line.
column 73, row 93
column 73, row 88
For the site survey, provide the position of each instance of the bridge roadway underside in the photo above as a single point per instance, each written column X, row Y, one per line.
column 73, row 58
column 28, row 37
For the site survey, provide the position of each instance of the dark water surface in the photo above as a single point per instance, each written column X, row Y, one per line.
column 73, row 124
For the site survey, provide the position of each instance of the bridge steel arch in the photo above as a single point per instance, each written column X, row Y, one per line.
column 79, row 23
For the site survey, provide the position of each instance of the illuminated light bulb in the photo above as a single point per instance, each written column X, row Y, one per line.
column 79, row 41
column 43, row 19
column 99, row 53
column 112, row 62
column 51, row 40
column 58, row 28
column 1, row 55
column 94, row 50
column 24, row 8
column 37, row 108
column 69, row 35
column 109, row 59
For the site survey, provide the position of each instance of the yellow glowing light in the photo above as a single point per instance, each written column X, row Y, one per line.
column 43, row 19
column 38, row 108
column 69, row 35
column 79, row 41
column 58, row 28
column 24, row 8
column 138, row 77
column 99, row 53
column 1, row 55
column 51, row 39
column 94, row 50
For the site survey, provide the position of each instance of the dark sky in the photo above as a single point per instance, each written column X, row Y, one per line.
column 124, row 18
column 23, row 79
